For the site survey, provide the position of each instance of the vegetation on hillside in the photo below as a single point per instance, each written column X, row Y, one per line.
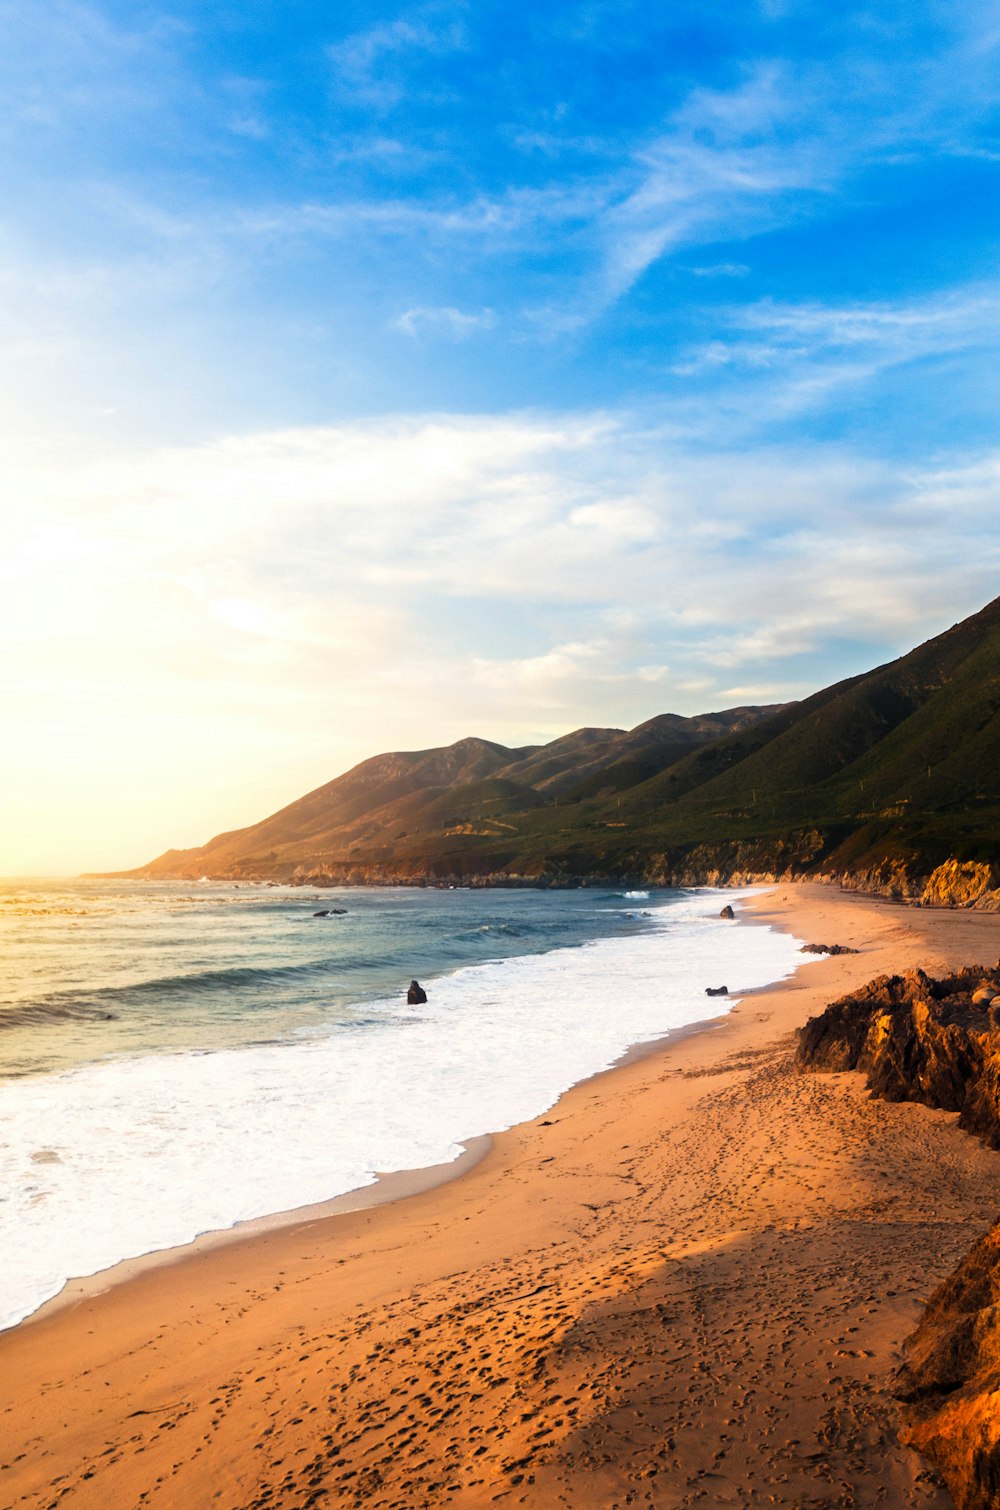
column 893, row 770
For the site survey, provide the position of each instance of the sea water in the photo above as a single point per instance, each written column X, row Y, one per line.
column 175, row 1059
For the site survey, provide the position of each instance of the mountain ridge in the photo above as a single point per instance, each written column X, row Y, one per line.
column 879, row 780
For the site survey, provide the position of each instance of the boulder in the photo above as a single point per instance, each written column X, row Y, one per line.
column 727, row 913
column 716, row 990
column 918, row 1039
column 950, row 1378
column 416, row 994
column 937, row 1041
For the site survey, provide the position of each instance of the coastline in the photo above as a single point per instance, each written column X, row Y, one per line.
column 541, row 1032
column 386, row 1190
column 571, row 1223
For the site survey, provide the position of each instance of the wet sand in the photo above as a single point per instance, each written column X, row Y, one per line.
column 686, row 1285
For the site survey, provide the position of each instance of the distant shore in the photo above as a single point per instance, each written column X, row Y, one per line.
column 686, row 1284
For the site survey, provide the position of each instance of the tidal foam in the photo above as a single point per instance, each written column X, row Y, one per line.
column 132, row 1155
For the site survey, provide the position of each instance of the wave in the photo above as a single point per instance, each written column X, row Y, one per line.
column 97, row 1003
column 41, row 1014
column 237, row 1132
column 511, row 930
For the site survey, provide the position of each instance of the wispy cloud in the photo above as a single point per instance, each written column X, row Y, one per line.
column 454, row 323
column 372, row 65
column 796, row 356
column 730, row 164
column 722, row 270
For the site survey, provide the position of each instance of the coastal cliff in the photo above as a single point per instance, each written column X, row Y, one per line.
column 796, row 856
column 937, row 1042
column 955, row 883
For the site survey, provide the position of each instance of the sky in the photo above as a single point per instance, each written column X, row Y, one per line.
column 374, row 375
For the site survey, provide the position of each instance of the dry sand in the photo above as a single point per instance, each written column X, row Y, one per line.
column 687, row 1285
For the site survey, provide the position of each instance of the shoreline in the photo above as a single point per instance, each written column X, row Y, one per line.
column 564, row 1236
column 384, row 1188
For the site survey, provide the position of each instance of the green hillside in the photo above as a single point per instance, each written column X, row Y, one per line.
column 895, row 768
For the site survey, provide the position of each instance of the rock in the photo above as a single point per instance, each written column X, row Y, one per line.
column 918, row 1039
column 827, row 949
column 937, row 1042
column 416, row 995
column 331, row 912
column 959, row 883
column 951, row 1375
column 727, row 912
column 716, row 990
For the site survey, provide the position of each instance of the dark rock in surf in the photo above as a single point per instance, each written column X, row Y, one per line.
column 416, row 995
column 727, row 913
column 716, row 990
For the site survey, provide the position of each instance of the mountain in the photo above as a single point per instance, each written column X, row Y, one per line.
column 889, row 780
column 469, row 788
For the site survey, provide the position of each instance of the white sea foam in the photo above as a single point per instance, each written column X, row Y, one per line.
column 115, row 1159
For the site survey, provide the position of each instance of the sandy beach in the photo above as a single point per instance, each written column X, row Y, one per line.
column 686, row 1285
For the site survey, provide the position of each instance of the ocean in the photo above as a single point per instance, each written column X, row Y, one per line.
column 178, row 1058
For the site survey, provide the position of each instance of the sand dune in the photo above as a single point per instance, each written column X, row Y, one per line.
column 687, row 1285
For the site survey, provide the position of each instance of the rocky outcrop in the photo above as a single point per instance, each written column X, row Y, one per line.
column 727, row 913
column 736, row 862
column 950, row 1382
column 918, row 1039
column 416, row 995
column 827, row 949
column 899, row 880
column 938, row 1042
column 953, row 883
column 963, row 884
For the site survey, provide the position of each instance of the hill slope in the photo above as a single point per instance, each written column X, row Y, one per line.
column 466, row 789
column 883, row 778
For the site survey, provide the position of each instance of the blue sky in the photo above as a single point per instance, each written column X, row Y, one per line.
column 398, row 372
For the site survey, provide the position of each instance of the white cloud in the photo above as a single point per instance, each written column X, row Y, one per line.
column 370, row 65
column 446, row 320
column 913, row 327
column 722, row 270
column 193, row 618
column 731, row 163
column 770, row 362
